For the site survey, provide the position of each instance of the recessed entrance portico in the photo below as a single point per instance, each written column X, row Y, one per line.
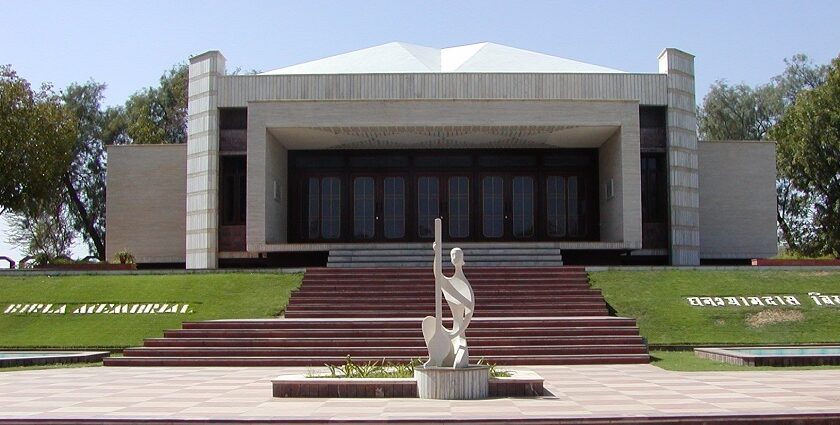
column 337, row 172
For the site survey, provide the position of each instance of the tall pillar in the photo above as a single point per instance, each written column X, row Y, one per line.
column 683, row 180
column 203, row 161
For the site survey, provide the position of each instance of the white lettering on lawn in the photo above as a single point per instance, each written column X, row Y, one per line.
column 97, row 308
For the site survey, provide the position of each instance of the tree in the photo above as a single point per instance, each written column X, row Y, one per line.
column 156, row 115
column 43, row 231
column 36, row 139
column 808, row 136
column 738, row 112
column 84, row 181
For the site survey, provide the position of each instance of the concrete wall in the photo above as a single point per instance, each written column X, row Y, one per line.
column 146, row 188
column 276, row 189
column 266, row 155
column 647, row 89
column 737, row 199
column 610, row 209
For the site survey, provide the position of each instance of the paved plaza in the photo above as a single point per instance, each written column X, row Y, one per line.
column 220, row 394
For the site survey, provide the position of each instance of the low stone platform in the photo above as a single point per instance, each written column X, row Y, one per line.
column 583, row 394
column 523, row 383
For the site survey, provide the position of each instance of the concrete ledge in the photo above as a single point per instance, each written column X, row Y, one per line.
column 795, row 262
column 520, row 384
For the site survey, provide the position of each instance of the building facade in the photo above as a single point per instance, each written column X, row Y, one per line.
column 510, row 147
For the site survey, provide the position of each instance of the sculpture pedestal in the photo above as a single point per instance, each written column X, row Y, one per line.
column 446, row 383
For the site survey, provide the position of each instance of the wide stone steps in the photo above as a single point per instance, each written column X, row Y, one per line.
column 523, row 316
column 422, row 255
column 367, row 334
column 415, row 341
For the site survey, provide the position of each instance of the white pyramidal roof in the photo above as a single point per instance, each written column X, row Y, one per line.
column 410, row 58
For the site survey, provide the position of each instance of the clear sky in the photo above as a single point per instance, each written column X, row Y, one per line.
column 128, row 44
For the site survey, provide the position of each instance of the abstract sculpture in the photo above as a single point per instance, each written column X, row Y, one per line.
column 448, row 348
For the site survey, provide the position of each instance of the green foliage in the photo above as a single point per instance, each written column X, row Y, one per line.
column 43, row 230
column 84, row 183
column 738, row 112
column 124, row 256
column 156, row 114
column 36, row 139
column 385, row 369
column 211, row 296
column 808, row 138
column 657, row 301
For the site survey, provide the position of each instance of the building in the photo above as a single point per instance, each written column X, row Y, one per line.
column 511, row 147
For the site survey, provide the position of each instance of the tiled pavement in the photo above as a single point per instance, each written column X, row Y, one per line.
column 218, row 394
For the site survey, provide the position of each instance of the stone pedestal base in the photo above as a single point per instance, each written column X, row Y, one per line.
column 445, row 383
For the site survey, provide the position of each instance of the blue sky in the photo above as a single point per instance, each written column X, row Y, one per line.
column 128, row 44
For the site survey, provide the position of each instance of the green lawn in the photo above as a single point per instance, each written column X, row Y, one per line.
column 657, row 300
column 210, row 296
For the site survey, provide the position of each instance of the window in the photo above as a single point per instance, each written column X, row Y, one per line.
column 428, row 205
column 523, row 206
column 492, row 206
column 324, row 208
column 330, row 208
column 233, row 191
column 363, row 205
column 556, row 206
column 459, row 207
column 394, row 208
column 653, row 188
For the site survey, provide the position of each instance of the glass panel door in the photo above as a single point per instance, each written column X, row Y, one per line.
column 428, row 205
column 330, row 208
column 556, row 206
column 492, row 206
column 523, row 206
column 364, row 204
column 458, row 190
column 394, row 207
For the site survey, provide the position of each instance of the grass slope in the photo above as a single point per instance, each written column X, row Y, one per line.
column 211, row 296
column 657, row 300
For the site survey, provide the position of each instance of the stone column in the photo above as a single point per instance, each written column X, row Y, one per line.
column 203, row 161
column 683, row 193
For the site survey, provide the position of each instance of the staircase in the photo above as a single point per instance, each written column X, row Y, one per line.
column 524, row 316
column 420, row 255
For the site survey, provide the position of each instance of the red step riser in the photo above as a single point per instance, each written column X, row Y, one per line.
column 350, row 293
column 418, row 305
column 429, row 275
column 476, row 352
column 257, row 362
column 415, row 333
column 379, row 342
column 315, row 314
column 550, row 322
column 429, row 287
column 350, row 271
column 478, row 280
column 482, row 300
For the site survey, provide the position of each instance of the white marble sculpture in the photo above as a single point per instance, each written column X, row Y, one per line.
column 448, row 347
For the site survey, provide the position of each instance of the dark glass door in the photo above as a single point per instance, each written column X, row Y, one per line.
column 507, row 205
column 379, row 208
column 567, row 207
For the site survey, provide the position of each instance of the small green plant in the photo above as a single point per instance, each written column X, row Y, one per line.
column 386, row 369
column 124, row 256
column 495, row 373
